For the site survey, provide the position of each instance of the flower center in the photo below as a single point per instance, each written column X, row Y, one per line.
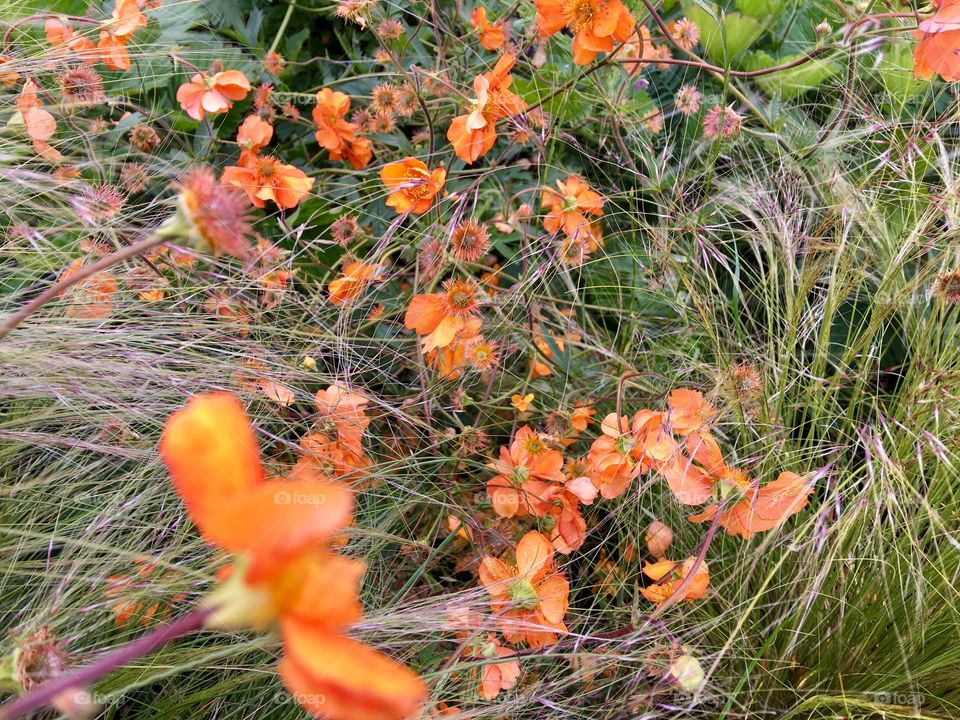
column 624, row 444
column 523, row 595
column 581, row 14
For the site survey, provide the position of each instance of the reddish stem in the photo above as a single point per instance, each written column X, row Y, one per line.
column 44, row 694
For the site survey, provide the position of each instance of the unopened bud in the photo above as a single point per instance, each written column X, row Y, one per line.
column 308, row 363
column 658, row 539
column 687, row 673
column 823, row 29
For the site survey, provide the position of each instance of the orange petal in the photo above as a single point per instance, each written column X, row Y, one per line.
column 553, row 593
column 339, row 678
column 534, row 552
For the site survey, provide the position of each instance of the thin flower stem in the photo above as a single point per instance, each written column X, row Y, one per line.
column 282, row 28
column 44, row 694
column 108, row 261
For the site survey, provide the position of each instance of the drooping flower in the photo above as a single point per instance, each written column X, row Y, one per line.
column 412, row 185
column 266, row 178
column 492, row 35
column 348, row 286
column 495, row 677
column 939, row 43
column 439, row 317
column 116, row 32
column 473, row 134
column 285, row 573
column 211, row 95
column 596, row 24
column 668, row 576
column 213, row 217
column 529, row 598
column 569, row 205
column 39, row 124
column 658, row 538
column 337, row 136
column 254, row 135
column 760, row 508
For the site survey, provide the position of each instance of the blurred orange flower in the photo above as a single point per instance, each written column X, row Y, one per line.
column 39, row 124
column 206, row 95
column 412, row 185
column 492, row 35
column 596, row 24
column 286, row 573
column 530, row 597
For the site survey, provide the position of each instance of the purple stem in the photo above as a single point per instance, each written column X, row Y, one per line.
column 44, row 694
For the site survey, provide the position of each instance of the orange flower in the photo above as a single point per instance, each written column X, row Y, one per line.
column 689, row 411
column 450, row 361
column 331, row 458
column 530, row 598
column 412, row 185
column 544, row 351
column 39, row 124
column 637, row 47
column 569, row 205
column 492, row 35
column 286, row 572
column 521, row 402
column 92, row 298
column 596, row 24
column 8, row 77
column 335, row 134
column 668, row 577
column 524, row 474
column 343, row 412
column 348, row 286
column 761, row 508
column 206, row 95
column 266, row 178
column 59, row 34
column 254, row 135
column 495, row 677
column 473, row 135
column 116, row 32
column 939, row 36
column 439, row 317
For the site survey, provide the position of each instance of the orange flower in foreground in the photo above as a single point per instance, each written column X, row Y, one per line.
column 530, row 598
column 596, row 24
column 266, row 178
column 761, row 508
column 356, row 276
column 213, row 217
column 939, row 48
column 668, row 577
column 116, row 32
column 206, row 95
column 254, row 135
column 335, row 134
column 412, row 185
column 285, row 572
column 473, row 135
column 569, row 205
column 492, row 35
column 439, row 317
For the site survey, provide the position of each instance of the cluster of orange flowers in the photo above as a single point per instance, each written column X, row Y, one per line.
column 115, row 35
column 286, row 570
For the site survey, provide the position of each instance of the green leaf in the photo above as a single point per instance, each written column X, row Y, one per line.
column 795, row 81
column 724, row 36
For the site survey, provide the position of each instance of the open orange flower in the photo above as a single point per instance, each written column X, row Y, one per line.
column 596, row 24
column 266, row 178
column 206, row 95
column 524, row 473
column 492, row 35
column 343, row 412
column 116, row 32
column 439, row 317
column 350, row 284
column 499, row 676
column 530, row 598
column 285, row 572
column 412, row 185
column 59, row 34
column 473, row 135
column 335, row 134
column 761, row 508
column 254, row 135
column 939, row 48
column 569, row 206
column 668, row 577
